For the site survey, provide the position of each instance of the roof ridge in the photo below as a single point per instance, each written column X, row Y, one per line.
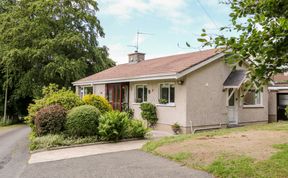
column 174, row 55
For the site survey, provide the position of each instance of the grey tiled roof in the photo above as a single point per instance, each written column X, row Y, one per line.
column 235, row 79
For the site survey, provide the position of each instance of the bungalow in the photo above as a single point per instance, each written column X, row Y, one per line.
column 196, row 90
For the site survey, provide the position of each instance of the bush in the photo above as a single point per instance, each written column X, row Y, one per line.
column 99, row 102
column 114, row 125
column 56, row 140
column 176, row 128
column 52, row 95
column 149, row 113
column 50, row 119
column 128, row 110
column 136, row 129
column 83, row 121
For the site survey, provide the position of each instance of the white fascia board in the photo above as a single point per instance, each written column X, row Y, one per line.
column 277, row 88
column 197, row 66
column 235, row 87
column 132, row 79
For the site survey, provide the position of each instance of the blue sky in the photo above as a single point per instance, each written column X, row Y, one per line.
column 171, row 22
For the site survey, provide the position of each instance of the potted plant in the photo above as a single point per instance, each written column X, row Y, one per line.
column 176, row 128
column 163, row 101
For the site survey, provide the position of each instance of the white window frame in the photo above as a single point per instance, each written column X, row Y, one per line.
column 135, row 96
column 159, row 93
column 252, row 105
column 82, row 90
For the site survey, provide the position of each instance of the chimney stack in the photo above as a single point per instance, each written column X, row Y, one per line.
column 136, row 57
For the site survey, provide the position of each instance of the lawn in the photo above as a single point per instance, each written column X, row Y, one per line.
column 253, row 151
column 6, row 127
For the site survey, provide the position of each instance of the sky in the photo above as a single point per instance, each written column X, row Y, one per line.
column 169, row 24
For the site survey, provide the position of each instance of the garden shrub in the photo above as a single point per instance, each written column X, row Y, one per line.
column 149, row 113
column 114, row 125
column 99, row 102
column 83, row 121
column 137, row 129
column 52, row 95
column 128, row 110
column 50, row 119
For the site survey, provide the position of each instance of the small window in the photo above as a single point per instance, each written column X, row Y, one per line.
column 252, row 97
column 167, row 93
column 86, row 91
column 141, row 93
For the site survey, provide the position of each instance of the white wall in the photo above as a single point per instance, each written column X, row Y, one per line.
column 166, row 114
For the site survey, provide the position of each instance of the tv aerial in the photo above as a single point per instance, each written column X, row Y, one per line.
column 137, row 40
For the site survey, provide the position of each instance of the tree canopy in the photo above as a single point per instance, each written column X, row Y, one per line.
column 48, row 41
column 262, row 42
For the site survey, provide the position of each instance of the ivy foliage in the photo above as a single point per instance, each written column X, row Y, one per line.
column 48, row 41
column 149, row 113
column 263, row 37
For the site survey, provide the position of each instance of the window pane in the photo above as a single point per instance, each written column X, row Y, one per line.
column 283, row 100
column 252, row 98
column 110, row 95
column 164, row 92
column 139, row 94
column 145, row 93
column 88, row 90
column 172, row 94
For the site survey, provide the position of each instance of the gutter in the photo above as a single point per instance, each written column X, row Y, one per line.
column 132, row 79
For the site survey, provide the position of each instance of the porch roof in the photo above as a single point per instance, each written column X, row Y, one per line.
column 235, row 79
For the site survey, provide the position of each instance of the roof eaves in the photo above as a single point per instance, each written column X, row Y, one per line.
column 130, row 79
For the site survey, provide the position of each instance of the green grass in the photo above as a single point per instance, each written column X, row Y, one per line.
column 153, row 145
column 242, row 166
column 57, row 140
column 231, row 166
column 5, row 127
column 180, row 156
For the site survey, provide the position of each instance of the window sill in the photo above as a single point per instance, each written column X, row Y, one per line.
column 136, row 103
column 166, row 105
column 253, row 106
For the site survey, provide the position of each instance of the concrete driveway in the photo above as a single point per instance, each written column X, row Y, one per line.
column 14, row 153
column 117, row 160
column 125, row 164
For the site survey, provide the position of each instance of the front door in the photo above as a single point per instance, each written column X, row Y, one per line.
column 117, row 95
column 232, row 106
column 282, row 103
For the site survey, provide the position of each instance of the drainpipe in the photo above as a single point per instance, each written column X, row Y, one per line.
column 191, row 127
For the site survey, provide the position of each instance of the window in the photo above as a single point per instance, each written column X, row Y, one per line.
column 141, row 93
column 167, row 93
column 86, row 91
column 252, row 97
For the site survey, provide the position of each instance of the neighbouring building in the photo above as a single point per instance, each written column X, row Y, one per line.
column 197, row 90
column 278, row 97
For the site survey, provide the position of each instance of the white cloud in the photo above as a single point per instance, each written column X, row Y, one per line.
column 126, row 9
column 119, row 53
column 210, row 26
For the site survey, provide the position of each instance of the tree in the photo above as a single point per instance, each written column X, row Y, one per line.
column 262, row 42
column 48, row 41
